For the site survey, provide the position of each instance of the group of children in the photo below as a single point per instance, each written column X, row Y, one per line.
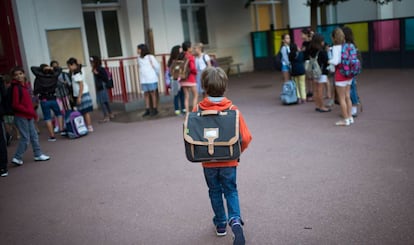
column 297, row 65
column 198, row 61
column 55, row 91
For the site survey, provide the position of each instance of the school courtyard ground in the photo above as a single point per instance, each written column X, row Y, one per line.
column 301, row 181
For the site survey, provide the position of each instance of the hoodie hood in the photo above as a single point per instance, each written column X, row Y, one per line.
column 219, row 106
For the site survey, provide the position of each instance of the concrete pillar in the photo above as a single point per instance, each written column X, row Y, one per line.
column 385, row 11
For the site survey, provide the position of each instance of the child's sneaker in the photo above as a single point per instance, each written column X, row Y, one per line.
column 236, row 227
column 51, row 139
column 4, row 172
column 42, row 157
column 177, row 112
column 17, row 162
column 221, row 229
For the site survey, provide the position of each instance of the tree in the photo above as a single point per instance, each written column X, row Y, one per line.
column 314, row 4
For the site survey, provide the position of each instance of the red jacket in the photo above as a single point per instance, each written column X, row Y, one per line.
column 193, row 69
column 22, row 103
column 206, row 104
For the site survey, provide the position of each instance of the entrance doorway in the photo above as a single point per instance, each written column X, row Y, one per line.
column 9, row 46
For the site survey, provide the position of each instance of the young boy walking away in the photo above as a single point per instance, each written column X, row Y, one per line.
column 24, row 117
column 221, row 176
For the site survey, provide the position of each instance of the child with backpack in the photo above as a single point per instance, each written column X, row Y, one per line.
column 221, row 176
column 189, row 83
column 175, row 86
column 349, row 38
column 81, row 95
column 101, row 79
column 298, row 72
column 342, row 82
column 24, row 117
column 317, row 71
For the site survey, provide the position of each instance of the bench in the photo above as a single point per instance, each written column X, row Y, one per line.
column 226, row 63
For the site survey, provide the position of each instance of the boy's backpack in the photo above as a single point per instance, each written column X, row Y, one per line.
column 212, row 136
column 179, row 69
column 110, row 83
column 8, row 99
column 350, row 64
column 313, row 69
column 288, row 95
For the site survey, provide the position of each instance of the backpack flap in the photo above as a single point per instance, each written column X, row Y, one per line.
column 212, row 136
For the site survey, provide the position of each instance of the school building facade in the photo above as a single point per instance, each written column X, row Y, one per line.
column 38, row 31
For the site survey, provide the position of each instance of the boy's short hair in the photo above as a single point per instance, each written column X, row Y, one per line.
column 214, row 81
column 16, row 69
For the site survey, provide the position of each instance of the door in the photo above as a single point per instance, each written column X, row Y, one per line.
column 103, row 32
column 9, row 46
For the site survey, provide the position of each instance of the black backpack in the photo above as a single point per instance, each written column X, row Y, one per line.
column 7, row 100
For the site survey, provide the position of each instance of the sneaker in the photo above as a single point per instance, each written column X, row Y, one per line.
column 351, row 120
column 90, row 129
column 147, row 113
column 56, row 129
column 63, row 133
column 4, row 172
column 221, row 229
column 51, row 139
column 42, row 157
column 154, row 112
column 342, row 123
column 177, row 112
column 238, row 236
column 17, row 162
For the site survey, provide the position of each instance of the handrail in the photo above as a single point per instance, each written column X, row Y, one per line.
column 127, row 86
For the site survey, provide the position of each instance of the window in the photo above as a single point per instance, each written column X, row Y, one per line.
column 65, row 43
column 266, row 14
column 102, row 28
column 194, row 18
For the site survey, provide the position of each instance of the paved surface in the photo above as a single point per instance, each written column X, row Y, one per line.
column 302, row 180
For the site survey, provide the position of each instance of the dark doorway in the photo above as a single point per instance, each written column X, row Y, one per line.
column 9, row 46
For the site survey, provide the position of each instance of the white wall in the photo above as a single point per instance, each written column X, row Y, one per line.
column 230, row 26
column 403, row 9
column 34, row 18
column 356, row 10
column 299, row 14
column 165, row 21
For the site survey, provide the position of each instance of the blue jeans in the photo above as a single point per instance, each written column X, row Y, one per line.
column 223, row 181
column 179, row 99
column 48, row 105
column 28, row 134
column 354, row 92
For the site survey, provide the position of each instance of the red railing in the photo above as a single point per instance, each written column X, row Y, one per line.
column 127, row 86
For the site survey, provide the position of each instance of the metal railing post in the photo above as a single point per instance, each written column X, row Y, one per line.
column 123, row 84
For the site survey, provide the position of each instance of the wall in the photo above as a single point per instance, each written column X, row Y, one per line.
column 34, row 18
column 230, row 34
column 299, row 14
